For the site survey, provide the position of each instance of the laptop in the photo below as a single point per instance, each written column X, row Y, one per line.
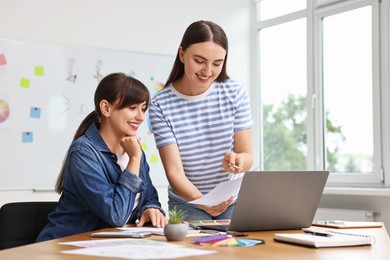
column 274, row 200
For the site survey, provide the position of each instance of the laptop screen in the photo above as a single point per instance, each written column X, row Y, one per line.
column 273, row 200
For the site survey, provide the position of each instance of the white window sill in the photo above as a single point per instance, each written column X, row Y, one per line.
column 357, row 191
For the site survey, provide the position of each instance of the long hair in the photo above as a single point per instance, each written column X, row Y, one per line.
column 200, row 31
column 115, row 87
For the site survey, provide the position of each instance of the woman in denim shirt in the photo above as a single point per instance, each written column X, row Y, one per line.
column 104, row 181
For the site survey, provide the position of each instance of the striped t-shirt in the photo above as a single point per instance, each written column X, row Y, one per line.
column 203, row 128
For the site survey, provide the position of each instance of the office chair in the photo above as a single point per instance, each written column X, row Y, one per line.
column 21, row 222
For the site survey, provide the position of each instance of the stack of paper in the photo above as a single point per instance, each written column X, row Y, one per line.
column 226, row 240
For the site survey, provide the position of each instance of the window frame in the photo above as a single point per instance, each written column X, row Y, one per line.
column 315, row 120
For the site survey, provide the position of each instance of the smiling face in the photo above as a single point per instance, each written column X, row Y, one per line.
column 126, row 121
column 129, row 119
column 203, row 62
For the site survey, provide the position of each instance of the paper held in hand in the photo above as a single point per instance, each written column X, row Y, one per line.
column 222, row 192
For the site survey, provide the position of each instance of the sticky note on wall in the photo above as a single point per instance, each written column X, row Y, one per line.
column 154, row 158
column 3, row 61
column 27, row 137
column 24, row 83
column 35, row 112
column 39, row 71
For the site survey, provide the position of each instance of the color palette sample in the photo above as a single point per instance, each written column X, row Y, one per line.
column 4, row 111
column 227, row 240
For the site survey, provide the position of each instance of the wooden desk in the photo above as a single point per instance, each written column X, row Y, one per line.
column 271, row 250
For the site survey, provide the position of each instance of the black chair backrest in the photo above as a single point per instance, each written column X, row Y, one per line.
column 21, row 222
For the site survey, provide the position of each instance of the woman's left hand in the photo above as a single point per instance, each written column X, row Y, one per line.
column 154, row 216
column 217, row 209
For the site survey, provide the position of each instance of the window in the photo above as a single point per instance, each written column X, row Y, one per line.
column 283, row 81
column 276, row 8
column 319, row 87
column 347, row 66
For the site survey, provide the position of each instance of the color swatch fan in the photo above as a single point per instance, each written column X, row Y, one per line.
column 4, row 111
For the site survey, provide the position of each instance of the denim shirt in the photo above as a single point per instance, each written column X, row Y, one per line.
column 96, row 192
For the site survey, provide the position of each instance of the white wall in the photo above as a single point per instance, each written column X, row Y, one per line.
column 152, row 26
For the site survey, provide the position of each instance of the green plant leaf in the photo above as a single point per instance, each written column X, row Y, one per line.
column 176, row 216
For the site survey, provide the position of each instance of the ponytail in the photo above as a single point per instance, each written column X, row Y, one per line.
column 88, row 120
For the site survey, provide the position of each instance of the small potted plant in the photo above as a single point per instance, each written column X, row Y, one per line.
column 176, row 230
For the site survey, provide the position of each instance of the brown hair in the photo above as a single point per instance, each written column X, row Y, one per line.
column 115, row 87
column 200, row 31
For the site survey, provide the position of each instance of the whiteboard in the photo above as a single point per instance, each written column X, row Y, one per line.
column 46, row 90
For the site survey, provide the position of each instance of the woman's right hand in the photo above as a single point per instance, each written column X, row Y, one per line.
column 217, row 209
column 132, row 146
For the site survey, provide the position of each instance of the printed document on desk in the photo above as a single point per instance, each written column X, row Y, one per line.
column 132, row 248
column 222, row 192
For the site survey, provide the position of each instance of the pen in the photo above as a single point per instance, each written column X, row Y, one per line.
column 192, row 225
column 210, row 231
column 317, row 233
column 235, row 167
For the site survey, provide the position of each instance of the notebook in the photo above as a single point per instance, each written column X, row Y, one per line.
column 346, row 224
column 274, row 200
column 327, row 239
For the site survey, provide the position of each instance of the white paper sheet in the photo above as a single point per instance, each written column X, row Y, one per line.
column 222, row 192
column 133, row 249
column 140, row 252
column 114, row 242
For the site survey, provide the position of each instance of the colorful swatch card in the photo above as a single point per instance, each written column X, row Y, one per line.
column 227, row 240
